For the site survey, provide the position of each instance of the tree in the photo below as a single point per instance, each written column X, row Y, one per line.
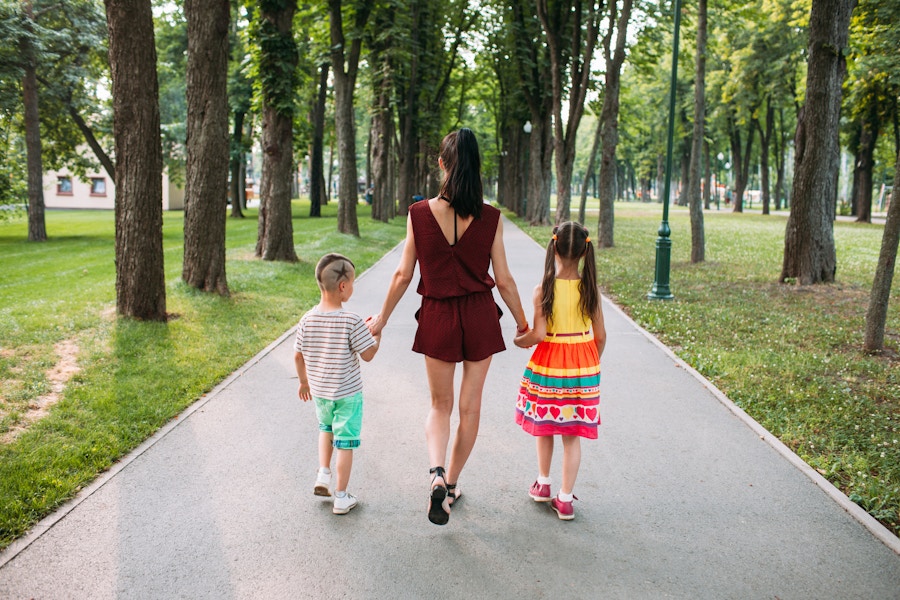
column 571, row 30
column 809, row 253
column 37, row 231
column 876, row 315
column 345, row 64
column 698, row 243
column 277, row 64
column 609, row 121
column 240, row 95
column 532, row 59
column 207, row 145
column 140, row 278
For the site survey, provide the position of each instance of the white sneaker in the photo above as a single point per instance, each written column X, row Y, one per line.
column 323, row 482
column 344, row 504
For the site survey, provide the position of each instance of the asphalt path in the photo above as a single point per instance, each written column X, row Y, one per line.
column 683, row 496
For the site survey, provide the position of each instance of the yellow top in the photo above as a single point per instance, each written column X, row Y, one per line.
column 567, row 316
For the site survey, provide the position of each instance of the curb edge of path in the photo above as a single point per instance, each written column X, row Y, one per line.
column 857, row 512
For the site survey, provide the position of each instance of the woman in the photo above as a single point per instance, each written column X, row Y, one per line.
column 455, row 238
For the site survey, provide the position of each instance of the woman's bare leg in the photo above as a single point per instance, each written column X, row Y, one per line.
column 474, row 374
column 437, row 425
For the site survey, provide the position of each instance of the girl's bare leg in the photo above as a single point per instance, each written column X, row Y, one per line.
column 571, row 462
column 544, row 454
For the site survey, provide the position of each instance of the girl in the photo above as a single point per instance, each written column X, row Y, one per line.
column 560, row 390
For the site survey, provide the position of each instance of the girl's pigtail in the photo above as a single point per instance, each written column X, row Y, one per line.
column 590, row 297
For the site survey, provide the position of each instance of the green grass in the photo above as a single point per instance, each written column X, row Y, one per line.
column 134, row 376
column 790, row 356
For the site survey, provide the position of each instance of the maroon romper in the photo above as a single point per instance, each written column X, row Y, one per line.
column 459, row 319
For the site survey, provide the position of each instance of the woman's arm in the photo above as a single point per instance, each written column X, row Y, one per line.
column 506, row 285
column 537, row 334
column 399, row 282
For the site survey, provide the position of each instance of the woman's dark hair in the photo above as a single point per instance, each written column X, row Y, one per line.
column 571, row 241
column 462, row 173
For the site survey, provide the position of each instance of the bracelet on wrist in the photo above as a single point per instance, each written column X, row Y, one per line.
column 523, row 329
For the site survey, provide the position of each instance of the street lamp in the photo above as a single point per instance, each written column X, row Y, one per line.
column 727, row 177
column 721, row 157
column 660, row 289
column 527, row 127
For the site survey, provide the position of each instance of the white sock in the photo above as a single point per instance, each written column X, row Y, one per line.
column 543, row 480
column 565, row 497
column 340, row 494
column 325, row 470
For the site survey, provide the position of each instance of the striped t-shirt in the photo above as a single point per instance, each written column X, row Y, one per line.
column 330, row 343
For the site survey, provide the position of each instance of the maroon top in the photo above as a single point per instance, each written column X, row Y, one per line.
column 449, row 271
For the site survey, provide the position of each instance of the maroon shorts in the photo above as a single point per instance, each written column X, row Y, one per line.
column 461, row 328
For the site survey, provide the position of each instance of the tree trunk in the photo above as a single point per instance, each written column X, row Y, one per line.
column 345, row 67
column 540, row 157
column 698, row 240
column 317, row 155
column 765, row 137
column 809, row 253
column 237, row 160
column 707, row 175
column 876, row 315
column 589, row 174
column 206, row 171
column 564, row 26
column 275, row 237
column 382, row 139
column 780, row 143
column 741, row 155
column 609, row 123
column 37, row 231
column 866, row 163
column 140, row 278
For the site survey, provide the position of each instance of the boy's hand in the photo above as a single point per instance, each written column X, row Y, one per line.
column 304, row 392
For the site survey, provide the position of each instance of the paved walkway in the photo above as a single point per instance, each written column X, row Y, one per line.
column 682, row 497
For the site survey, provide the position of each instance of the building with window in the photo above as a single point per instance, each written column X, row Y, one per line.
column 62, row 189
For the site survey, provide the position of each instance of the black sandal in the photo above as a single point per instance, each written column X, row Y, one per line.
column 437, row 514
column 452, row 495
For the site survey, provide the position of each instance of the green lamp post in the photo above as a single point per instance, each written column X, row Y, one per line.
column 660, row 289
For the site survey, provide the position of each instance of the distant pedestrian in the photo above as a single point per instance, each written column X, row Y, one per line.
column 560, row 390
column 329, row 339
column 455, row 238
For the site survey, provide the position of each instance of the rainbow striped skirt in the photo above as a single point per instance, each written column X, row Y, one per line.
column 560, row 389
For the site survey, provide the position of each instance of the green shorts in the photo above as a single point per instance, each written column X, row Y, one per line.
column 342, row 418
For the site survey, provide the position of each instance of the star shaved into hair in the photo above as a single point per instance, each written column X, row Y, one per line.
column 332, row 270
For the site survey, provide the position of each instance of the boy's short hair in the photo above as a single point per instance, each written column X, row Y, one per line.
column 332, row 269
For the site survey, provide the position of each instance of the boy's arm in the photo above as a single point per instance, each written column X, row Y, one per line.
column 369, row 353
column 300, row 364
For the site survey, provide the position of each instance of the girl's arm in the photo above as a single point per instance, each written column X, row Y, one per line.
column 399, row 282
column 598, row 326
column 537, row 334
column 506, row 285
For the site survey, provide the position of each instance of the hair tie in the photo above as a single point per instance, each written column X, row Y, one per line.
column 587, row 240
column 554, row 236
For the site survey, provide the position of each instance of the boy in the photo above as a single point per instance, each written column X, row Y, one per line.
column 325, row 354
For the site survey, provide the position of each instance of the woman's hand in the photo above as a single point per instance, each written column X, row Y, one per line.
column 375, row 324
